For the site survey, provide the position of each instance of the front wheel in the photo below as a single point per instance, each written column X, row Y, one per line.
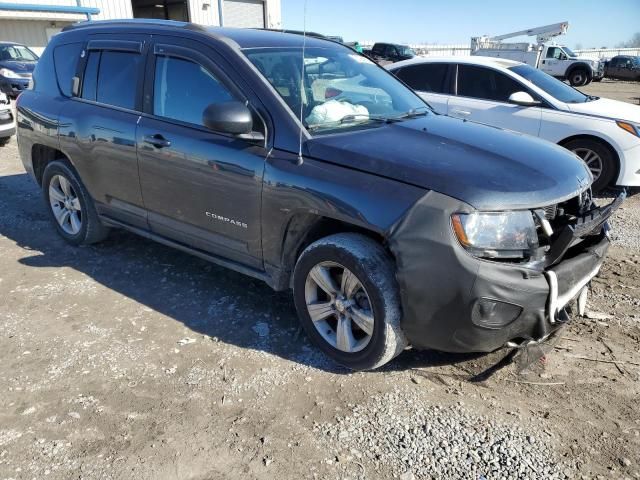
column 578, row 77
column 4, row 141
column 348, row 300
column 598, row 158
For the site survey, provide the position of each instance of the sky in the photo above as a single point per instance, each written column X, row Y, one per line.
column 592, row 23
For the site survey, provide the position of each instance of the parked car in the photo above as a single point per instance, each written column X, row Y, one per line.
column 7, row 122
column 393, row 226
column 384, row 53
column 16, row 67
column 503, row 93
column 623, row 67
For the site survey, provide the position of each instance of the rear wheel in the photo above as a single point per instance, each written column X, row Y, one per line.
column 599, row 159
column 578, row 77
column 70, row 205
column 348, row 300
column 4, row 141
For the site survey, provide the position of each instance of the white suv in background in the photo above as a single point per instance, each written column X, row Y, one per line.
column 512, row 95
column 7, row 120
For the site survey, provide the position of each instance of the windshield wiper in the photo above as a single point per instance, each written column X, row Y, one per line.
column 591, row 98
column 413, row 113
column 355, row 118
column 351, row 118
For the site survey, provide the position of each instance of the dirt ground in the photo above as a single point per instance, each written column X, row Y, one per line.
column 131, row 360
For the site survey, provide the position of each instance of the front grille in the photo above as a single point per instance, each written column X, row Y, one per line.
column 551, row 211
column 24, row 75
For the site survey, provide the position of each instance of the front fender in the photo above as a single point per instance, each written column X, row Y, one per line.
column 317, row 188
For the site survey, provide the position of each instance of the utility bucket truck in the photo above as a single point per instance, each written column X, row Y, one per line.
column 556, row 60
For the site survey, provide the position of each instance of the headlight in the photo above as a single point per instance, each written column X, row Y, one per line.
column 496, row 234
column 5, row 72
column 629, row 127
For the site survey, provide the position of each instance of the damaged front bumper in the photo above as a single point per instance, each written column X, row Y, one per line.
column 455, row 302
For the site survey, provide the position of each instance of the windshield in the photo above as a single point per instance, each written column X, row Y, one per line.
column 341, row 88
column 18, row 53
column 406, row 51
column 568, row 51
column 557, row 89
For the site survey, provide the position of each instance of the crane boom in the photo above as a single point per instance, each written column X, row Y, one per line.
column 543, row 34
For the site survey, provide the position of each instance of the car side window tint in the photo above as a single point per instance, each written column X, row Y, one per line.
column 90, row 78
column 428, row 77
column 65, row 59
column 118, row 78
column 184, row 89
column 486, row 84
column 112, row 78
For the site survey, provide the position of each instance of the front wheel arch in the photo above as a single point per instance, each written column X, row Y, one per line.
column 580, row 66
column 603, row 142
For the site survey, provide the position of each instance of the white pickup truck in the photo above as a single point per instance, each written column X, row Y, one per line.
column 556, row 60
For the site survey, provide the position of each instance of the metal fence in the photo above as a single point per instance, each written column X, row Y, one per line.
column 596, row 53
column 462, row 50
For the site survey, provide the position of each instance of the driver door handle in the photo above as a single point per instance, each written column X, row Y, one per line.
column 463, row 113
column 157, row 141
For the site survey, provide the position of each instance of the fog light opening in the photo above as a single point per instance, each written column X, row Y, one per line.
column 494, row 314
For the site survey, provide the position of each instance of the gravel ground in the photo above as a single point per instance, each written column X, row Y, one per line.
column 412, row 439
column 131, row 360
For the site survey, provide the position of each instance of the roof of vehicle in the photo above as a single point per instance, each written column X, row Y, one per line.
column 471, row 60
column 243, row 37
column 10, row 44
column 390, row 43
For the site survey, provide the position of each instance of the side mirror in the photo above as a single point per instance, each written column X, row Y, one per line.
column 228, row 117
column 523, row 99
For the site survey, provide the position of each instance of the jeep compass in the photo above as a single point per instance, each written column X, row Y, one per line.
column 300, row 162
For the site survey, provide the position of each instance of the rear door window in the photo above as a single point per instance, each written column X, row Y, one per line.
column 427, row 77
column 486, row 84
column 112, row 77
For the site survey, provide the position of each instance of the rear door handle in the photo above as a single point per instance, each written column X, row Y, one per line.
column 157, row 141
column 464, row 113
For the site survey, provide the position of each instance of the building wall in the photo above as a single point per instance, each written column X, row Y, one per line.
column 204, row 12
column 110, row 9
column 34, row 28
column 32, row 33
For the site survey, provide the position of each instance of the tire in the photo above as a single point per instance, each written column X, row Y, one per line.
column 607, row 161
column 371, row 293
column 4, row 141
column 578, row 77
column 71, row 197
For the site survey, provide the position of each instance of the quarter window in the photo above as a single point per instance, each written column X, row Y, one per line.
column 428, row 77
column 486, row 84
column 65, row 58
column 112, row 78
column 184, row 89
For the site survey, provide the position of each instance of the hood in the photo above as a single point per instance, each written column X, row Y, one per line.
column 608, row 108
column 486, row 167
column 18, row 66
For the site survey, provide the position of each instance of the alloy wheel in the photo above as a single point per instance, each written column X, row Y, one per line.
column 592, row 160
column 339, row 307
column 65, row 205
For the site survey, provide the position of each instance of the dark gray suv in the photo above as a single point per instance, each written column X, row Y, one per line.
column 393, row 225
